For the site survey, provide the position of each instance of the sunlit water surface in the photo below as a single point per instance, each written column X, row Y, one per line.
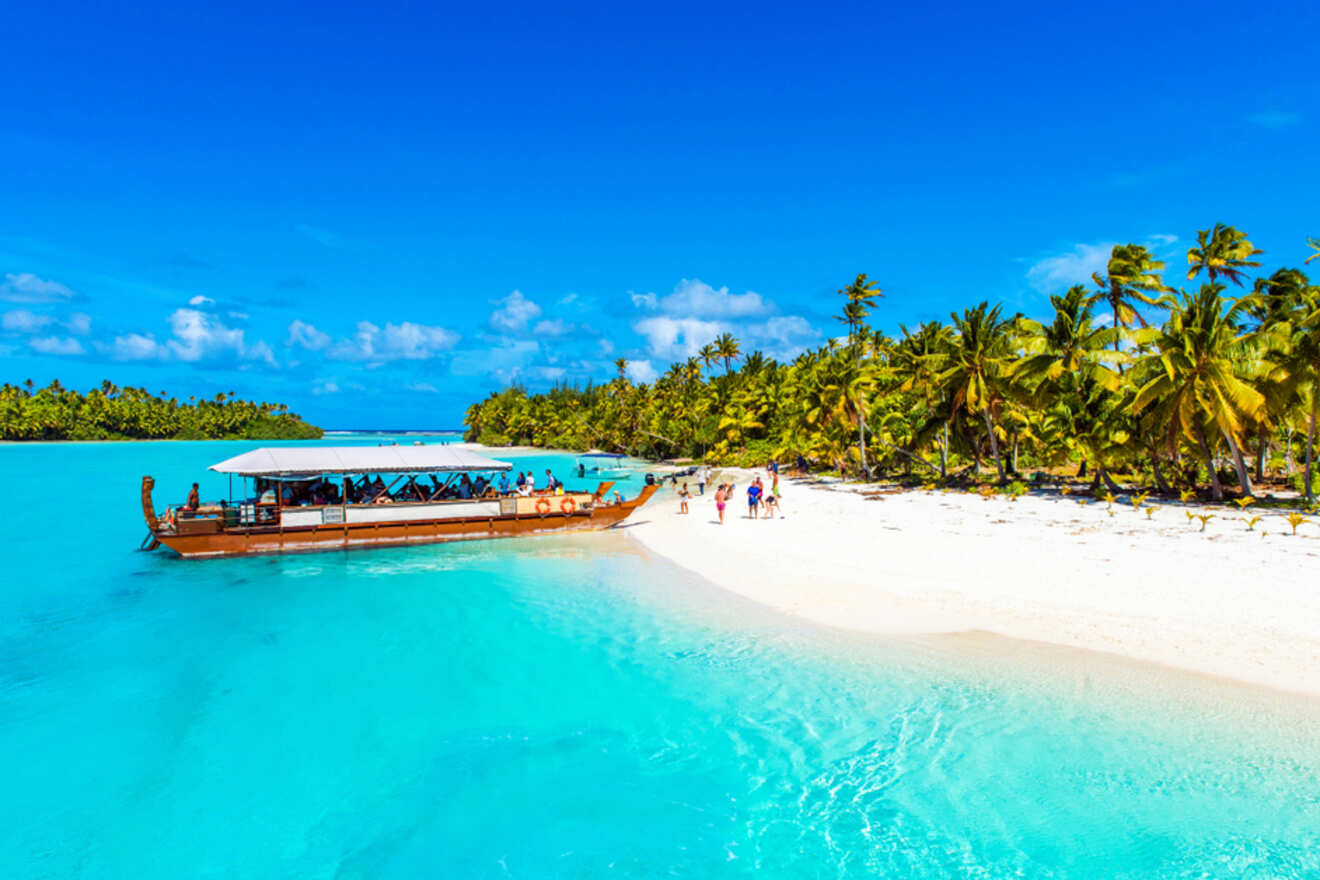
column 570, row 707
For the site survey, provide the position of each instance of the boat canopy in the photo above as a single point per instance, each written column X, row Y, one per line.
column 596, row 453
column 285, row 460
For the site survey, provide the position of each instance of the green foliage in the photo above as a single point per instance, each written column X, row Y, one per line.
column 113, row 413
column 1127, row 377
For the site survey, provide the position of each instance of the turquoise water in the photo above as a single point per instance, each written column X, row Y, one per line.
column 570, row 707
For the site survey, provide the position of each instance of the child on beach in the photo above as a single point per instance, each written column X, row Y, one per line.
column 683, row 499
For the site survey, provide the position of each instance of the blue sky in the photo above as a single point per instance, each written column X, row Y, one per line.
column 379, row 214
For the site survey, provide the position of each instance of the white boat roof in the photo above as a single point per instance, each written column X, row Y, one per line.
column 283, row 460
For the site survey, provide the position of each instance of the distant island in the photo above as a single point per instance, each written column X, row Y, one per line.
column 110, row 412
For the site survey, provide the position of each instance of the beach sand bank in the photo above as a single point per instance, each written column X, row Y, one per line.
column 1229, row 602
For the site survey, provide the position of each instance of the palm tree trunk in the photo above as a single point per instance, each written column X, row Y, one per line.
column 1262, row 452
column 1310, row 450
column 1015, row 450
column 994, row 444
column 944, row 453
column 1216, row 490
column 1160, row 484
column 1288, row 455
column 861, row 435
column 1239, row 465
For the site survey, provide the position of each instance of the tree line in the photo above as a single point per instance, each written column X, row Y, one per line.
column 1174, row 388
column 110, row 412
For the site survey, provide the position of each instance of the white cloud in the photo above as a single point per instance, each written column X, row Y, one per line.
column 425, row 387
column 136, row 347
column 644, row 300
column 606, row 346
column 79, row 323
column 306, row 336
column 24, row 287
column 696, row 298
column 782, row 337
column 325, row 386
column 198, row 335
column 1053, row 274
column 514, row 313
column 55, row 345
column 676, row 338
column 200, row 300
column 195, row 337
column 260, row 351
column 406, row 340
column 556, row 327
column 23, row 321
column 641, row 371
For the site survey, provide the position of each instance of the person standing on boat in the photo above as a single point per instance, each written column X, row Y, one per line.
column 194, row 500
column 550, row 482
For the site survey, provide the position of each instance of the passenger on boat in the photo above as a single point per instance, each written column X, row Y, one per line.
column 193, row 501
column 550, row 482
column 504, row 484
column 479, row 487
column 531, row 483
column 524, row 489
column 522, row 481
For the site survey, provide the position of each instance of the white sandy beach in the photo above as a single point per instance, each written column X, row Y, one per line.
column 1227, row 601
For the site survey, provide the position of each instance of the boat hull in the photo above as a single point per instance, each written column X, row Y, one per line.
column 342, row 536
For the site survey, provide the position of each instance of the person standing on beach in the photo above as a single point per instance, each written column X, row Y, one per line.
column 754, row 499
column 720, row 497
column 702, row 475
column 683, row 499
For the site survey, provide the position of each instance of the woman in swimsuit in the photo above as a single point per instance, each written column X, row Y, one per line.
column 683, row 499
column 720, row 496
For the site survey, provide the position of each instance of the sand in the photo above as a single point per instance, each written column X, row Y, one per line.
column 1227, row 601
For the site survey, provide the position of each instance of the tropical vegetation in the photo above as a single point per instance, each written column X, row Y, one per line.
column 1174, row 389
column 113, row 413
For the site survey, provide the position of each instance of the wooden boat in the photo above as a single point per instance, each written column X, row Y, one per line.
column 313, row 498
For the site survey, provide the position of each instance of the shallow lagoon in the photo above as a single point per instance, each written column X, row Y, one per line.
column 571, row 707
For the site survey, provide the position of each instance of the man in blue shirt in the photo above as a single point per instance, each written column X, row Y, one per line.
column 504, row 484
column 753, row 500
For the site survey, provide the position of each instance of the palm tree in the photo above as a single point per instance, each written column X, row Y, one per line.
column 727, row 350
column 979, row 362
column 1067, row 364
column 918, row 361
column 860, row 298
column 1313, row 244
column 708, row 354
column 1132, row 274
column 1222, row 250
column 1192, row 380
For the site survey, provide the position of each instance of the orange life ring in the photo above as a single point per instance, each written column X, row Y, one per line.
column 568, row 505
column 543, row 506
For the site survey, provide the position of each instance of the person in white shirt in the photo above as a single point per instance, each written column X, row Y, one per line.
column 531, row 482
